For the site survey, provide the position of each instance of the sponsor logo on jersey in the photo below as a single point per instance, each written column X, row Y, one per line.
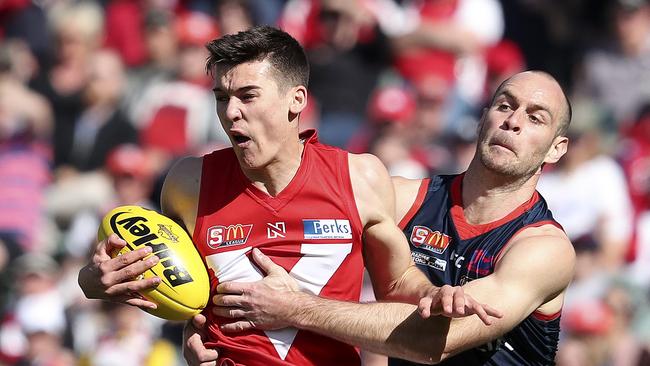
column 222, row 236
column 327, row 229
column 429, row 261
column 427, row 239
column 276, row 230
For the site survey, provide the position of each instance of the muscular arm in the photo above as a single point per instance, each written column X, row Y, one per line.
column 531, row 275
column 387, row 255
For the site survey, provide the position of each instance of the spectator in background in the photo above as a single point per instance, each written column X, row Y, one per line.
column 131, row 176
column 602, row 332
column 445, row 39
column 25, row 156
column 128, row 340
column 101, row 125
column 622, row 62
column 427, row 134
column 391, row 112
column 26, row 20
column 234, row 16
column 596, row 213
column 347, row 52
column 77, row 28
column 38, row 312
column 589, row 197
column 586, row 328
column 130, row 169
column 177, row 117
column 124, row 31
column 634, row 155
column 161, row 47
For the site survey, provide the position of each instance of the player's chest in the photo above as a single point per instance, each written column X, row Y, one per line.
column 251, row 221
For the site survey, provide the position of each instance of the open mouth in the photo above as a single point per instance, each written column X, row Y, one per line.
column 239, row 139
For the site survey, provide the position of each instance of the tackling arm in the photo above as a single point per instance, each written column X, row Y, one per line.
column 531, row 275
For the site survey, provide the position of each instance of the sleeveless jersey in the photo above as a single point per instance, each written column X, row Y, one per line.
column 312, row 229
column 451, row 251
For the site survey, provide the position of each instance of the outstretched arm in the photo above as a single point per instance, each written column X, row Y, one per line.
column 530, row 276
column 387, row 254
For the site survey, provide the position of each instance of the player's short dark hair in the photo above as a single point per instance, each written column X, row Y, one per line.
column 283, row 52
column 567, row 111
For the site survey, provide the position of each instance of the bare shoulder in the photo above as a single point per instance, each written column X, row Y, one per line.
column 184, row 175
column 406, row 191
column 544, row 254
column 180, row 193
column 367, row 167
column 373, row 191
column 541, row 242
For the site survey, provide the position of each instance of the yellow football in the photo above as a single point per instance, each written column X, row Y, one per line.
column 184, row 289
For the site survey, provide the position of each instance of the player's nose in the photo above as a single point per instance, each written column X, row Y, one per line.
column 514, row 120
column 233, row 110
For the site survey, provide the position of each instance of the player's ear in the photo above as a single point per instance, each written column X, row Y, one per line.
column 298, row 99
column 557, row 150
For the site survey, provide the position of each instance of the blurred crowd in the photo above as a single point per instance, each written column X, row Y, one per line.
column 99, row 98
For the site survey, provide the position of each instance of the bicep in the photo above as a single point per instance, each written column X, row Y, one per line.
column 531, row 273
column 387, row 257
column 386, row 253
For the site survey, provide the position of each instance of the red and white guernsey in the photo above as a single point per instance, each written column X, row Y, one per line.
column 312, row 229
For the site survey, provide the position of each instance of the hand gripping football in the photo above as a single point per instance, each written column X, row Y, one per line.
column 184, row 289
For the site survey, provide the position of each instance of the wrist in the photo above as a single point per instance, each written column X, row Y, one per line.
column 299, row 309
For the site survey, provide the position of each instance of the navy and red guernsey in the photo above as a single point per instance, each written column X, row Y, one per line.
column 312, row 229
column 452, row 251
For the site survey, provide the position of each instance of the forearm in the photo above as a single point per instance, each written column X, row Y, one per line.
column 409, row 288
column 393, row 329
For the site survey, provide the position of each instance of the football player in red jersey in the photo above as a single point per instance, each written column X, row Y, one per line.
column 501, row 244
column 320, row 211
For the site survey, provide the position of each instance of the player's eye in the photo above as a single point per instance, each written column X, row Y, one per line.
column 503, row 107
column 535, row 119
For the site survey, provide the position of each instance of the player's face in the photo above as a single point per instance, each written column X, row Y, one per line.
column 517, row 132
column 254, row 111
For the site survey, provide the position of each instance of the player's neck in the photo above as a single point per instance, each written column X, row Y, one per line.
column 275, row 176
column 488, row 197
